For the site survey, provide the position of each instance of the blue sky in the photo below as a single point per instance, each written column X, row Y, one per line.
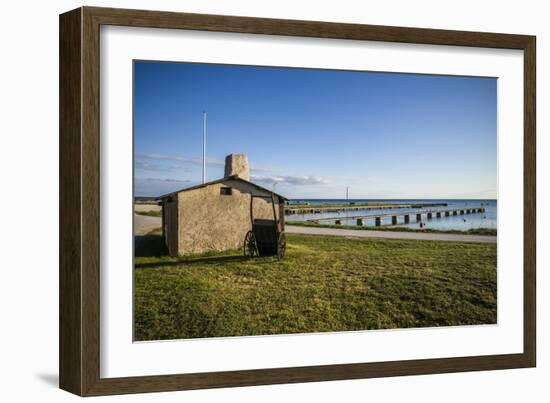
column 310, row 133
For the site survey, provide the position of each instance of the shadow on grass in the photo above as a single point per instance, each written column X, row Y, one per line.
column 149, row 246
column 153, row 246
column 193, row 261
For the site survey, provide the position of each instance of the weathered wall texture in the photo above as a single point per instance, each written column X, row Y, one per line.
column 237, row 164
column 209, row 221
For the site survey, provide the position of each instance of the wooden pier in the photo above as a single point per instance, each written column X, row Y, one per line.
column 429, row 214
column 290, row 210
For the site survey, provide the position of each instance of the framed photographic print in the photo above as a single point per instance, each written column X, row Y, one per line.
column 249, row 201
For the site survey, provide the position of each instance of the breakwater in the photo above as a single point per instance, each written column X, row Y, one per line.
column 386, row 208
column 319, row 209
column 406, row 215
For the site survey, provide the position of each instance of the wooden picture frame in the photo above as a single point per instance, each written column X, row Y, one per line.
column 79, row 201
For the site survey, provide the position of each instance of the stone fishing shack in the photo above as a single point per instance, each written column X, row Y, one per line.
column 216, row 215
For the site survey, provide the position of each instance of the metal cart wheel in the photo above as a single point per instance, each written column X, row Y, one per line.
column 281, row 246
column 250, row 247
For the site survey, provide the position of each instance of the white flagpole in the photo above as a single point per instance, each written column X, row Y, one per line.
column 204, row 147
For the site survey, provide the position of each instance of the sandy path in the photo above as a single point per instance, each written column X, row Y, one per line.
column 144, row 224
column 425, row 236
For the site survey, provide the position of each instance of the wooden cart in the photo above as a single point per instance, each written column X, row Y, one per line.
column 266, row 238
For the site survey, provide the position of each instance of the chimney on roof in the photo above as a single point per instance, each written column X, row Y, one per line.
column 237, row 164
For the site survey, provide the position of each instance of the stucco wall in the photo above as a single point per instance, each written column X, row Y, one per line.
column 237, row 164
column 209, row 221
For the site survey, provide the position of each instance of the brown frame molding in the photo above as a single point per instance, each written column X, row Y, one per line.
column 79, row 200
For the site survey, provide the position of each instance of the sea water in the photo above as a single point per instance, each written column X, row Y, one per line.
column 486, row 219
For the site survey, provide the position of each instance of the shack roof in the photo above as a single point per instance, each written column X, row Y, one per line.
column 222, row 180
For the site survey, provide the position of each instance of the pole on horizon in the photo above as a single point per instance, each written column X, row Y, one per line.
column 203, row 147
column 347, row 192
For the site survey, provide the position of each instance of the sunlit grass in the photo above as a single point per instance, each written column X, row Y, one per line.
column 323, row 284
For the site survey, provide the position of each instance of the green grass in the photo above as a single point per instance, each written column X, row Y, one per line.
column 150, row 213
column 472, row 231
column 323, row 284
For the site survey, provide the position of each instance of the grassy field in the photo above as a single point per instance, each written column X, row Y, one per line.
column 323, row 284
column 396, row 228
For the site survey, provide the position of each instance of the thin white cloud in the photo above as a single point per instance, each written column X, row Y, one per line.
column 179, row 158
column 290, row 180
column 166, row 180
column 145, row 161
column 151, row 166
